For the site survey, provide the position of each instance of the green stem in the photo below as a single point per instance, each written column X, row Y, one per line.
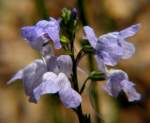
column 80, row 55
column 75, row 79
column 80, row 114
column 74, row 76
column 83, row 86
column 75, row 84
column 80, row 4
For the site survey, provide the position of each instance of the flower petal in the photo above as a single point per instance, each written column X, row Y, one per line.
column 110, row 42
column 34, row 36
column 112, row 88
column 64, row 63
column 108, row 58
column 47, row 52
column 112, row 47
column 70, row 98
column 32, row 76
column 63, row 81
column 18, row 75
column 90, row 35
column 52, row 64
column 42, row 24
column 128, row 49
column 113, row 85
column 130, row 31
column 28, row 32
column 40, row 33
column 53, row 29
column 108, row 49
column 128, row 88
column 100, row 64
column 49, row 85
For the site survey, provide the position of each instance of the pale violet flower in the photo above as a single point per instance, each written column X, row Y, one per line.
column 112, row 47
column 117, row 82
column 60, row 84
column 49, row 76
column 47, row 51
column 31, row 76
column 63, row 64
column 42, row 32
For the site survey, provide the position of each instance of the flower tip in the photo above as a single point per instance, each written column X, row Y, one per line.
column 23, row 31
column 33, row 100
column 58, row 45
column 136, row 27
column 25, row 28
column 27, row 32
column 87, row 28
column 76, row 105
column 138, row 97
column 89, row 31
column 18, row 75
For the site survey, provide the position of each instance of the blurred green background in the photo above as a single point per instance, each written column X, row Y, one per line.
column 103, row 16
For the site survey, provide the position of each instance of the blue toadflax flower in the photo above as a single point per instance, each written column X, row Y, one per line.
column 49, row 76
column 109, row 49
column 42, row 32
column 117, row 82
column 63, row 63
column 31, row 76
column 60, row 84
column 112, row 47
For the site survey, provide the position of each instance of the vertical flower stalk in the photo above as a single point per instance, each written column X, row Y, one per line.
column 69, row 20
column 82, row 14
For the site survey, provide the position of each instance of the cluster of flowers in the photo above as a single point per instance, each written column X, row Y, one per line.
column 52, row 74
column 109, row 49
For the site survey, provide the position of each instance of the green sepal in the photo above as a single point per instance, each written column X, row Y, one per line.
column 67, row 52
column 97, row 76
column 64, row 39
column 88, row 49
